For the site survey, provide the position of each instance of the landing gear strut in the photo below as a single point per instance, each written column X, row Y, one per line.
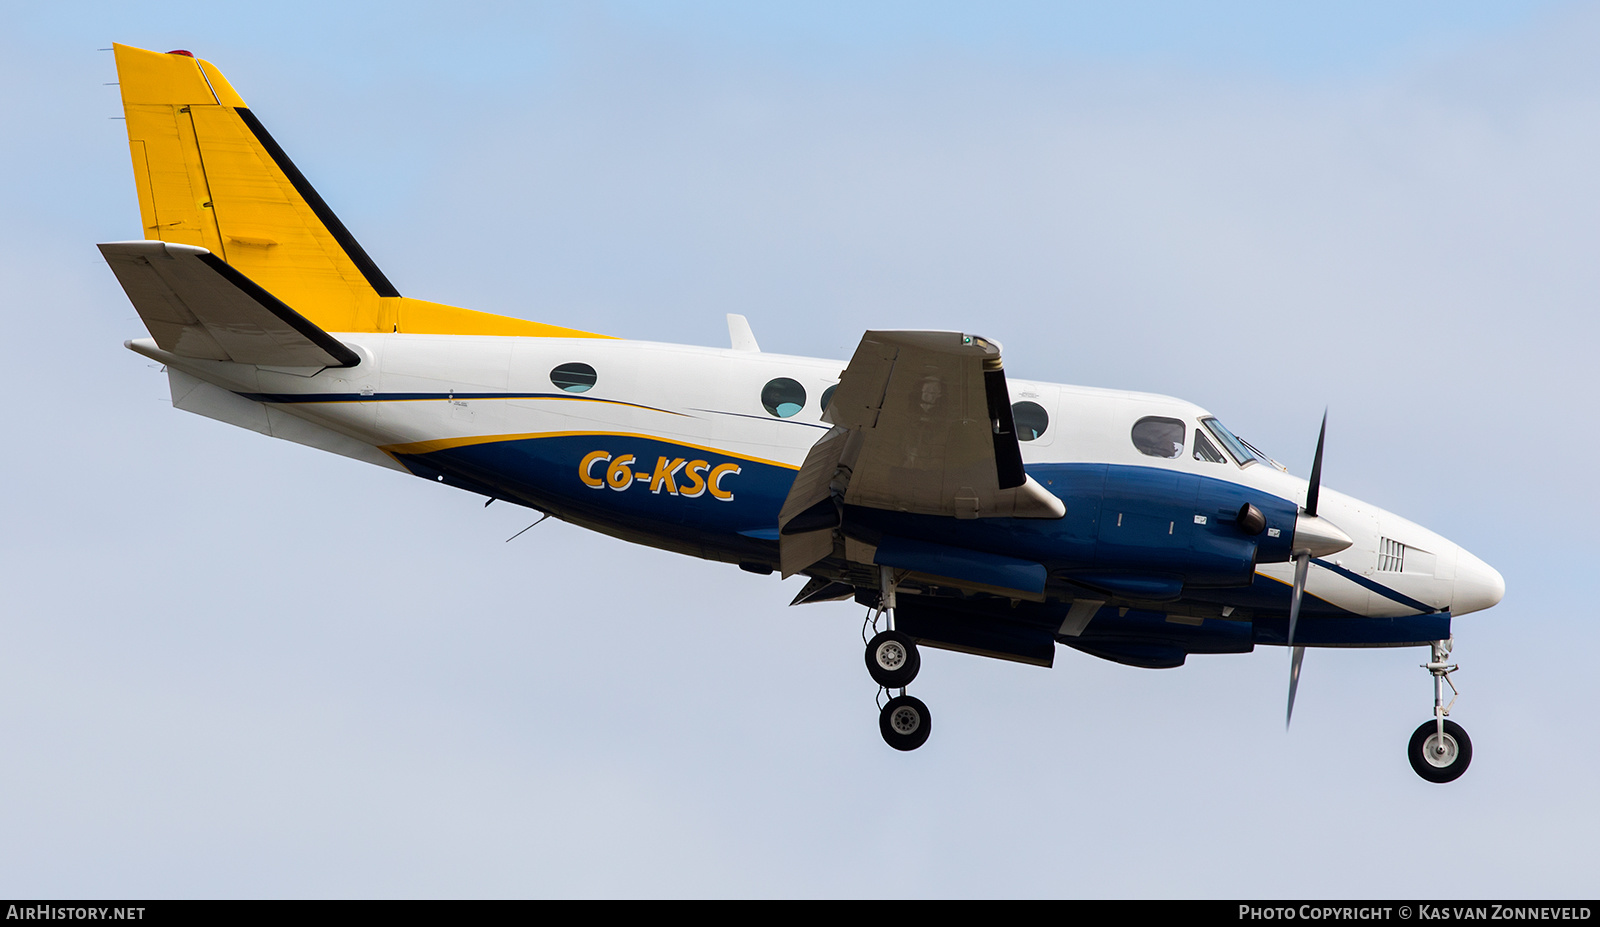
column 1440, row 750
column 893, row 661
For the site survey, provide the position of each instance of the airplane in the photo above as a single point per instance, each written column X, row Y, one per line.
column 965, row 509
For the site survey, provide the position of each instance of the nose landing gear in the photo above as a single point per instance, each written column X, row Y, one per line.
column 893, row 661
column 1440, row 750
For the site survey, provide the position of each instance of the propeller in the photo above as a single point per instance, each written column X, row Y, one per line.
column 1302, row 566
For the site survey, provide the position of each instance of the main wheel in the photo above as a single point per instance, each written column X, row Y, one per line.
column 1440, row 759
column 904, row 723
column 892, row 659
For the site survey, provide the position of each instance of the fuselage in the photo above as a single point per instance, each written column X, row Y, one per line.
column 694, row 449
column 969, row 511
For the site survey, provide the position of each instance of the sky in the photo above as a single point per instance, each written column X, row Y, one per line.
column 236, row 667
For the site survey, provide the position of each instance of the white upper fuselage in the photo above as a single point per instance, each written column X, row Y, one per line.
column 422, row 392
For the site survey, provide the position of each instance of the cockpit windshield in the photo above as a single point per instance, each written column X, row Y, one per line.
column 1237, row 448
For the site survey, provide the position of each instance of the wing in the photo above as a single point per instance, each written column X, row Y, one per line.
column 197, row 306
column 922, row 424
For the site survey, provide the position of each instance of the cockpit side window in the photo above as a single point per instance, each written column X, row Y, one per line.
column 1235, row 447
column 1205, row 450
column 1156, row 436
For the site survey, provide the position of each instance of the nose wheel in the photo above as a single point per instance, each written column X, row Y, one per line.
column 1440, row 750
column 893, row 661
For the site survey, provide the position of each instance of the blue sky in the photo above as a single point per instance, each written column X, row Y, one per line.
column 236, row 667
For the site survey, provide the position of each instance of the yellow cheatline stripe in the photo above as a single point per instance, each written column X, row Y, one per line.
column 441, row 444
column 1290, row 584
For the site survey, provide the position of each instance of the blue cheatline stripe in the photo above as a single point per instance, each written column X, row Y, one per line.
column 1377, row 587
column 298, row 398
column 764, row 418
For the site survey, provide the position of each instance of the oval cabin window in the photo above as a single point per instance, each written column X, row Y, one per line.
column 783, row 397
column 573, row 378
column 1031, row 420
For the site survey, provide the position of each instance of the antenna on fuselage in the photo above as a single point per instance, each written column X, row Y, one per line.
column 524, row 530
column 739, row 334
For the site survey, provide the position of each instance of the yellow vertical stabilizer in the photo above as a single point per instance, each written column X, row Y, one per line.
column 209, row 174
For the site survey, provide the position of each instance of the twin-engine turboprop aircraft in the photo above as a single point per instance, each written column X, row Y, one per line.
column 966, row 510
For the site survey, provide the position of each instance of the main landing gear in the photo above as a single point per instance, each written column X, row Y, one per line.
column 904, row 722
column 1440, row 750
column 893, row 661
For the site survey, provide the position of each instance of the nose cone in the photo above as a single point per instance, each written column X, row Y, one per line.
column 1478, row 585
column 1318, row 535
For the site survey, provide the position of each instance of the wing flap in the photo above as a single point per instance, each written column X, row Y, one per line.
column 933, row 419
column 813, row 488
column 195, row 305
column 922, row 424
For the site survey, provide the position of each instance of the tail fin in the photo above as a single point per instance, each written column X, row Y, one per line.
column 210, row 175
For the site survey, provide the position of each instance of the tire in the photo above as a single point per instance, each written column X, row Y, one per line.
column 1425, row 758
column 905, row 723
column 893, row 660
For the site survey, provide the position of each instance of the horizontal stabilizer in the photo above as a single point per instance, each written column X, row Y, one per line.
column 195, row 305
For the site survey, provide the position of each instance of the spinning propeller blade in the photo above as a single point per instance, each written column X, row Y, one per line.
column 1302, row 566
column 1294, row 682
column 1316, row 469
